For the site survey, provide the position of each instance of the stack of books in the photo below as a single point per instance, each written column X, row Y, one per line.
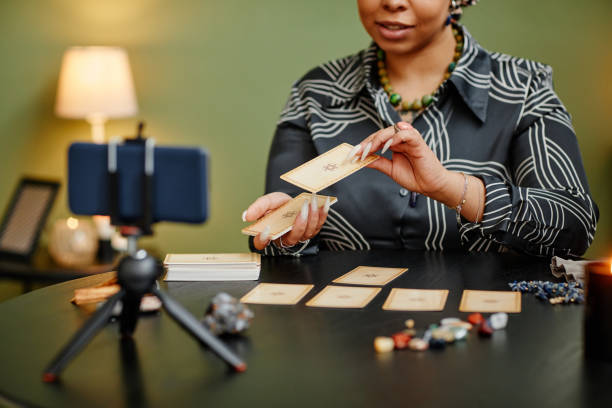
column 212, row 267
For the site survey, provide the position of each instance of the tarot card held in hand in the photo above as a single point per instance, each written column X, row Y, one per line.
column 281, row 220
column 343, row 296
column 490, row 301
column 416, row 299
column 370, row 275
column 326, row 169
column 276, row 294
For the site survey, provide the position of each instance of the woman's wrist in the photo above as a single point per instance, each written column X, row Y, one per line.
column 451, row 189
column 464, row 192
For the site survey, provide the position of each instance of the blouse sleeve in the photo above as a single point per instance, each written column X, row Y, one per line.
column 291, row 146
column 546, row 208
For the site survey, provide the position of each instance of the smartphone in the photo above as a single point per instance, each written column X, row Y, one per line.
column 180, row 181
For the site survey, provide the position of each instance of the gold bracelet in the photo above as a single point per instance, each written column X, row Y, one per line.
column 479, row 204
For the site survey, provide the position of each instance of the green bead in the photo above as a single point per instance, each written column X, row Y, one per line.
column 451, row 66
column 395, row 99
column 427, row 100
column 459, row 47
column 380, row 54
column 416, row 105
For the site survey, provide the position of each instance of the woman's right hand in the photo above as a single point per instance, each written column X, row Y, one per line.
column 307, row 224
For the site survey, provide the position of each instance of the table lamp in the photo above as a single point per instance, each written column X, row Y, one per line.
column 95, row 84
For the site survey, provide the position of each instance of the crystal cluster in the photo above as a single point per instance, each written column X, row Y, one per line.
column 226, row 315
column 569, row 292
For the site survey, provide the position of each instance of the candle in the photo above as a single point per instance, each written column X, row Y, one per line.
column 598, row 311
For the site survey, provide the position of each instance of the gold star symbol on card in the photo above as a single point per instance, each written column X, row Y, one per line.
column 370, row 275
column 277, row 293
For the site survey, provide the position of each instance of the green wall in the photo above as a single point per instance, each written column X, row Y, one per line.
column 217, row 73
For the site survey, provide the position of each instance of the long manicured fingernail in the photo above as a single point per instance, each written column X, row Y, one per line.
column 244, row 216
column 326, row 206
column 304, row 212
column 386, row 146
column 313, row 202
column 366, row 151
column 352, row 153
column 265, row 234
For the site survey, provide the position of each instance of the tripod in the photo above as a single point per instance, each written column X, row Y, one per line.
column 136, row 275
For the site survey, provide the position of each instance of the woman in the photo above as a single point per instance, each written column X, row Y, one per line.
column 478, row 151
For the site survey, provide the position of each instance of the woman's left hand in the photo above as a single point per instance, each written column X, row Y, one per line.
column 413, row 164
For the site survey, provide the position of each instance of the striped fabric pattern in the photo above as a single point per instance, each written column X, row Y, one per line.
column 497, row 118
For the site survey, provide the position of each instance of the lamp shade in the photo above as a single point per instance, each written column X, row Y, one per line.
column 95, row 82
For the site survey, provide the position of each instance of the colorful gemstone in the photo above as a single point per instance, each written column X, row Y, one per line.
column 406, row 105
column 460, row 333
column 409, row 323
column 498, row 321
column 461, row 324
column 437, row 344
column 438, row 334
column 380, row 54
column 484, row 330
column 387, row 88
column 475, row 318
column 451, row 66
column 382, row 72
column 447, row 321
column 395, row 99
column 384, row 80
column 459, row 46
column 416, row 105
column 401, row 340
column 381, row 64
column 383, row 344
column 418, row 345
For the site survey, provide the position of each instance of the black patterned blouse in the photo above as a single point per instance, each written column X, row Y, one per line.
column 497, row 118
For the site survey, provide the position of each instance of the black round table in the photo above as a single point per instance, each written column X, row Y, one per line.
column 312, row 357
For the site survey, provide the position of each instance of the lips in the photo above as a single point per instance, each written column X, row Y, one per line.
column 393, row 30
column 393, row 26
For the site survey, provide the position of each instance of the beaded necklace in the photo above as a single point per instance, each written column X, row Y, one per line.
column 410, row 108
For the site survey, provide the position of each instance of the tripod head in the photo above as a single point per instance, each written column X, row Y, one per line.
column 138, row 272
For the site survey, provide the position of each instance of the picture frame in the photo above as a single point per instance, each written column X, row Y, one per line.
column 25, row 217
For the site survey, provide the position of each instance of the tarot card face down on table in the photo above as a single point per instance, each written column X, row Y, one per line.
column 416, row 299
column 370, row 275
column 343, row 297
column 276, row 294
column 490, row 301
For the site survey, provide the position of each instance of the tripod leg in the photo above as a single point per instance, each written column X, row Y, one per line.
column 129, row 314
column 197, row 330
column 81, row 338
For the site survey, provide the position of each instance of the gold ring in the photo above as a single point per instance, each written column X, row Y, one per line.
column 396, row 128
